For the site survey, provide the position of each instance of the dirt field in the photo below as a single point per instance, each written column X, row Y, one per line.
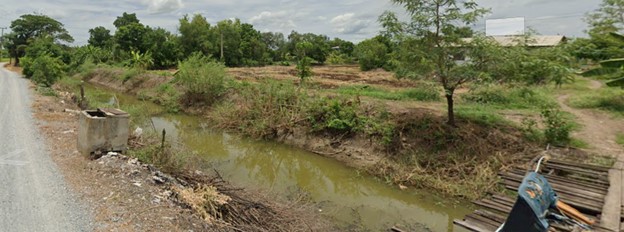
column 326, row 76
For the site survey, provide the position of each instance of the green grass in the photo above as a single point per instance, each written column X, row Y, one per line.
column 508, row 97
column 609, row 99
column 578, row 143
column 480, row 114
column 424, row 93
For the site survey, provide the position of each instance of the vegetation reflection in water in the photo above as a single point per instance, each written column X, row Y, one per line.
column 344, row 194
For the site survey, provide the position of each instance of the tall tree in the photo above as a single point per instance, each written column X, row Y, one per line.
column 29, row 26
column 195, row 36
column 125, row 19
column 100, row 37
column 130, row 37
column 435, row 26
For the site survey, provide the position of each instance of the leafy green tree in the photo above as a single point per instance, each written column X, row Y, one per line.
column 196, row 36
column 44, row 70
column 228, row 33
column 304, row 70
column 276, row 45
column 28, row 27
column 613, row 68
column 163, row 46
column 253, row 48
column 130, row 37
column 125, row 19
column 319, row 49
column 434, row 24
column 371, row 54
column 100, row 37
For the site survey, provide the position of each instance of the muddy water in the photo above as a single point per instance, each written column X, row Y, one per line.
column 355, row 200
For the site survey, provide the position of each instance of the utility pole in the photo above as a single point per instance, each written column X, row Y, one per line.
column 2, row 43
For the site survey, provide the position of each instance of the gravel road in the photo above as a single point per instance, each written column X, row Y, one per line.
column 33, row 193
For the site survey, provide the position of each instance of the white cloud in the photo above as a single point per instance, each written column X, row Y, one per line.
column 279, row 20
column 163, row 6
column 350, row 24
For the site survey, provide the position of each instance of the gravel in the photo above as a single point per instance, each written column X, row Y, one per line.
column 33, row 193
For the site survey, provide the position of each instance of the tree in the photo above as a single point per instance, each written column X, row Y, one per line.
column 228, row 33
column 30, row 26
column 130, row 37
column 303, row 65
column 434, row 24
column 163, row 47
column 196, row 36
column 125, row 19
column 319, row 45
column 100, row 37
column 612, row 69
column 253, row 48
column 371, row 54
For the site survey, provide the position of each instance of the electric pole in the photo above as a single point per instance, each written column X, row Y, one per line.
column 2, row 43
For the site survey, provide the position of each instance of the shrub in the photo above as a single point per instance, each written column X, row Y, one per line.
column 557, row 129
column 202, row 79
column 44, row 70
column 334, row 115
column 169, row 97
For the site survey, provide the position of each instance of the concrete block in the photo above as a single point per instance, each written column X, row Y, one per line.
column 103, row 130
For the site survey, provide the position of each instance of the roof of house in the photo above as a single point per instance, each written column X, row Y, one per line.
column 533, row 41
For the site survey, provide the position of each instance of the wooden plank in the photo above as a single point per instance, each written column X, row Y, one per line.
column 493, row 206
column 596, row 192
column 581, row 165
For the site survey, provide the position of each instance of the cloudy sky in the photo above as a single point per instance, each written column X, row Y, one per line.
column 353, row 20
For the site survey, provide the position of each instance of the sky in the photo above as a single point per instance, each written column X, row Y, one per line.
column 353, row 20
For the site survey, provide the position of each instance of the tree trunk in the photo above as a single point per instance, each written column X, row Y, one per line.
column 451, row 108
column 16, row 60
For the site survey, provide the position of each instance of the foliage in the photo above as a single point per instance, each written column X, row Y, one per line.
column 608, row 18
column 317, row 49
column 335, row 115
column 140, row 60
column 371, row 54
column 612, row 69
column 337, row 58
column 169, row 97
column 203, row 79
column 29, row 27
column 557, row 128
column 125, row 19
column 433, row 29
column 130, row 37
column 100, row 37
column 46, row 70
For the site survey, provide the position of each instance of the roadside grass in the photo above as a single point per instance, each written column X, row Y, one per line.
column 420, row 93
column 608, row 99
column 481, row 114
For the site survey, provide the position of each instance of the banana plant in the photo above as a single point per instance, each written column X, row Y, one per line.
column 613, row 68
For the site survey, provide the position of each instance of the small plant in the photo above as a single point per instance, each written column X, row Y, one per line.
column 140, row 60
column 531, row 130
column 557, row 129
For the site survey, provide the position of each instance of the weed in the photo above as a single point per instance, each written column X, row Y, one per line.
column 130, row 73
column 480, row 114
column 46, row 91
column 337, row 116
column 557, row 129
column 531, row 131
column 169, row 97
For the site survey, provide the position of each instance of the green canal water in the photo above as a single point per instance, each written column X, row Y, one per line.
column 343, row 194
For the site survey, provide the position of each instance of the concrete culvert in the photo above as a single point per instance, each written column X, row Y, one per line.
column 103, row 130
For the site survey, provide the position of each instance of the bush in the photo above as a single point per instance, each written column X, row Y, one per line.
column 371, row 54
column 202, row 79
column 334, row 115
column 44, row 70
column 557, row 129
column 169, row 97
